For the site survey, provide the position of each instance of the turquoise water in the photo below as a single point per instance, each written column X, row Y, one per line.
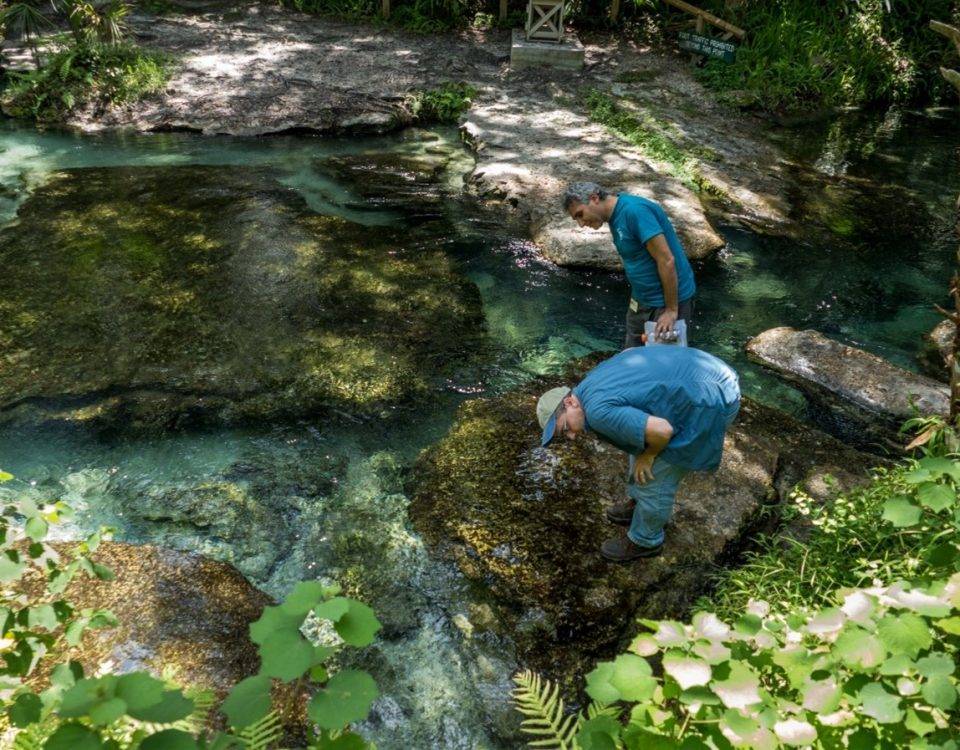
column 332, row 496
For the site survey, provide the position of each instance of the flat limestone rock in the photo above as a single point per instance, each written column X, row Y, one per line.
column 856, row 395
column 525, row 524
column 161, row 297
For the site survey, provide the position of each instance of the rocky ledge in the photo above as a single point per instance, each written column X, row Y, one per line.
column 855, row 395
column 524, row 524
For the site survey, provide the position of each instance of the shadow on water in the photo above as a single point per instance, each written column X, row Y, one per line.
column 319, row 498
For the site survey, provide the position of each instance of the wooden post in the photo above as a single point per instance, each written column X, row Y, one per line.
column 503, row 10
column 385, row 8
column 698, row 27
column 614, row 10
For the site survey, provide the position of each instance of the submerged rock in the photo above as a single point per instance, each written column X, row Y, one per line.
column 180, row 613
column 164, row 296
column 855, row 395
column 525, row 524
column 936, row 355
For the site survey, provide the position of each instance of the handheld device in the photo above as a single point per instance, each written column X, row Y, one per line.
column 677, row 337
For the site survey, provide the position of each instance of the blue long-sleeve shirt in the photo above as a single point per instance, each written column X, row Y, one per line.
column 698, row 394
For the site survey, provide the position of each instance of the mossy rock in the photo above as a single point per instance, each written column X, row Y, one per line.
column 168, row 296
column 180, row 616
column 525, row 524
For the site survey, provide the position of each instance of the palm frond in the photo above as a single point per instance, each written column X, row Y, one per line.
column 539, row 700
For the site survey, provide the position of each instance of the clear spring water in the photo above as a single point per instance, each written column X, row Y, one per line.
column 872, row 283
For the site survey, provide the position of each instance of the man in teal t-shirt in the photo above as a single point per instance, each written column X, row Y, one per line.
column 660, row 276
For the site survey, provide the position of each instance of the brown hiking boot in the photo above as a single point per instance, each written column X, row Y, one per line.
column 621, row 549
column 621, row 513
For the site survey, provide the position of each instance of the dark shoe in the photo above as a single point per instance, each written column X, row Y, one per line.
column 621, row 549
column 621, row 513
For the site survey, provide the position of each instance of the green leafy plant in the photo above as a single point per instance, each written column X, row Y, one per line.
column 444, row 104
column 797, row 656
column 85, row 73
column 137, row 710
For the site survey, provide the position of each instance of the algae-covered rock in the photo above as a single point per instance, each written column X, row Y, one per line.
column 178, row 613
column 158, row 297
column 525, row 524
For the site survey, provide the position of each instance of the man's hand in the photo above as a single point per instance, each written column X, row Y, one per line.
column 643, row 468
column 665, row 323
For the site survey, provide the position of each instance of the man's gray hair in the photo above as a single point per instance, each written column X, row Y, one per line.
column 580, row 192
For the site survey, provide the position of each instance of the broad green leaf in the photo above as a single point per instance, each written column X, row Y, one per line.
column 906, row 633
column 712, row 652
column 949, row 625
column 599, row 733
column 5, row 476
column 822, row 696
column 286, row 655
column 73, row 736
column 347, row 741
column 25, row 710
column 899, row 664
column 249, row 701
column 82, row 697
column 36, row 528
column 937, row 663
column 797, row 662
column 44, row 616
column 878, row 704
column 939, row 691
column 942, row 555
column 359, row 625
column 139, row 691
column 598, row 684
column 795, row 732
column 103, row 572
column 346, row 698
column 748, row 624
column 858, row 648
column 644, row 645
column 740, row 689
column 172, row 706
column 914, row 723
column 107, row 711
column 169, row 739
column 687, row 671
column 937, row 466
column 632, row 678
column 10, row 570
column 303, row 598
column 936, row 497
column 271, row 620
column 900, row 512
column 333, row 609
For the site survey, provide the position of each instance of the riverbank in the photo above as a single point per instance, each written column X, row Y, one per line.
column 257, row 69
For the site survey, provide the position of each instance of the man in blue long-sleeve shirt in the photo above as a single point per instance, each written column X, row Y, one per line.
column 668, row 407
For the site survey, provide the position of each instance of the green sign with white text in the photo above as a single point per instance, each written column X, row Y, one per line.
column 704, row 45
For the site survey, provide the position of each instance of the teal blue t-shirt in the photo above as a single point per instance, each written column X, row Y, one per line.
column 698, row 394
column 636, row 220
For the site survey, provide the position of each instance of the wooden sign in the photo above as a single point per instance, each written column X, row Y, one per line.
column 704, row 45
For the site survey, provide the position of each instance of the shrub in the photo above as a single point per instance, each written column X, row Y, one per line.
column 85, row 73
column 444, row 104
column 849, row 639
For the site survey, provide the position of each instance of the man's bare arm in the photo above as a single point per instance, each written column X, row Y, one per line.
column 667, row 270
column 657, row 434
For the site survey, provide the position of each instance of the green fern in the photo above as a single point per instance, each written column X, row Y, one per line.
column 262, row 734
column 33, row 736
column 539, row 700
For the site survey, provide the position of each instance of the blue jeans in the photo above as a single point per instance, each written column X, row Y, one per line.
column 654, row 502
